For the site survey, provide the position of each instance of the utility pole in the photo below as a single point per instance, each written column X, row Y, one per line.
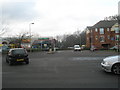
column 30, row 36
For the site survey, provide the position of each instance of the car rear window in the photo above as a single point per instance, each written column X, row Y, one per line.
column 19, row 51
column 77, row 46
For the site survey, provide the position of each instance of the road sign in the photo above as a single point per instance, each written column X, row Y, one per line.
column 42, row 38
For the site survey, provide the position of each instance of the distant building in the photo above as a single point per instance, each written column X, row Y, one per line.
column 44, row 43
column 26, row 44
column 103, row 35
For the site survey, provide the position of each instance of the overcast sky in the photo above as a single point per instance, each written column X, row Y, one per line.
column 54, row 17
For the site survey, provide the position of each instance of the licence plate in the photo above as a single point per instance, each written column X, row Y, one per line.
column 20, row 59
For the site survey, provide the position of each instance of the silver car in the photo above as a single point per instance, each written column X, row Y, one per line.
column 111, row 64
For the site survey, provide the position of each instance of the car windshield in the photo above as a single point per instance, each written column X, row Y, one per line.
column 19, row 51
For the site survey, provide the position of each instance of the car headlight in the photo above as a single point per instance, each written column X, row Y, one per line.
column 10, row 58
column 106, row 62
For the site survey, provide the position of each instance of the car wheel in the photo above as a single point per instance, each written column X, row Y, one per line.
column 10, row 63
column 7, row 61
column 27, row 62
column 116, row 69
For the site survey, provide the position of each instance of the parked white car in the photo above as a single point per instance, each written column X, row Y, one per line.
column 115, row 47
column 77, row 48
column 111, row 64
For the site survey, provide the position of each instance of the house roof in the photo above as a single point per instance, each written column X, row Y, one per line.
column 105, row 24
column 89, row 27
column 41, row 41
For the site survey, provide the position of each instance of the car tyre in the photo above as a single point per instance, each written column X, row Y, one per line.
column 7, row 61
column 116, row 69
column 10, row 63
column 27, row 62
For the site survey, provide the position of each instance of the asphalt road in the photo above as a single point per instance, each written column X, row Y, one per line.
column 63, row 69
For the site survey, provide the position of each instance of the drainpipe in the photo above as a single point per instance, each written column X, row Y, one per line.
column 118, row 27
column 91, row 39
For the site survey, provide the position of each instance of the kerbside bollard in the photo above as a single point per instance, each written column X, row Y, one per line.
column 50, row 51
column 54, row 49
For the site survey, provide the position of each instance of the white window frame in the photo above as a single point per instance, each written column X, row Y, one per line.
column 96, row 37
column 117, row 37
column 108, row 36
column 108, row 29
column 103, row 39
column 96, row 29
column 102, row 31
column 116, row 30
column 88, row 31
column 112, row 38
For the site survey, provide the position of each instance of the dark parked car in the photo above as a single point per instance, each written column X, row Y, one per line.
column 5, row 49
column 17, row 55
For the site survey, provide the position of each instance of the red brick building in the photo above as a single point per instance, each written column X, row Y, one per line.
column 103, row 35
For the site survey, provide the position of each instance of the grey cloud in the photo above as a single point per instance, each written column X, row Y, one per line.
column 19, row 11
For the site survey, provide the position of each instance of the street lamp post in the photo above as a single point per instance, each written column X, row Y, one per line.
column 91, row 40
column 80, row 37
column 30, row 36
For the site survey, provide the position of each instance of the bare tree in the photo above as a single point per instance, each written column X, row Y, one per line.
column 69, row 40
column 115, row 17
column 21, row 36
column 3, row 29
column 17, row 39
